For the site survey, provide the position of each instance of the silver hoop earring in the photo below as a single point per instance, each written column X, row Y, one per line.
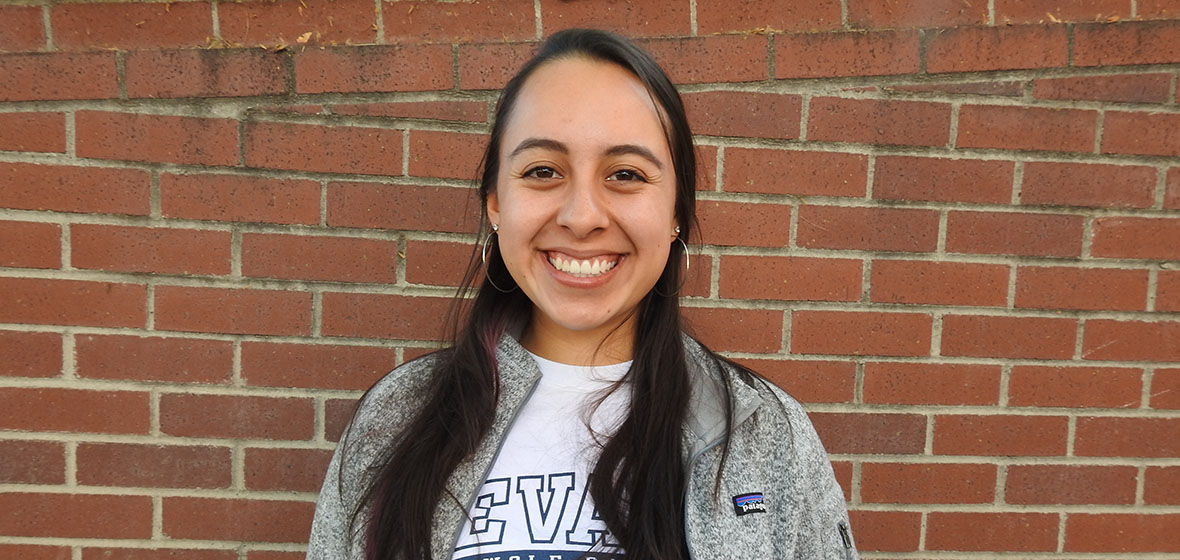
column 483, row 257
column 685, row 245
column 682, row 278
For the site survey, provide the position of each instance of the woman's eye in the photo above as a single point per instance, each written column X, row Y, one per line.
column 541, row 173
column 626, row 175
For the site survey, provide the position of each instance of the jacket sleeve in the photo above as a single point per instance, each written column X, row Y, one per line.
column 824, row 529
column 330, row 536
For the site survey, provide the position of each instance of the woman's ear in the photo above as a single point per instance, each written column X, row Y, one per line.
column 493, row 207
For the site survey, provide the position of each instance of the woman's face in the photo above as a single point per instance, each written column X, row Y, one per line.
column 585, row 197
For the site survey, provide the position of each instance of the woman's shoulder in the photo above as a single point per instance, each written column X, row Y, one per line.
column 395, row 398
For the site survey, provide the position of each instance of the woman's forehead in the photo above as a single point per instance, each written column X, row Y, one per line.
column 585, row 103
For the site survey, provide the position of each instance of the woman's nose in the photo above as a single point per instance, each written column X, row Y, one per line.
column 583, row 209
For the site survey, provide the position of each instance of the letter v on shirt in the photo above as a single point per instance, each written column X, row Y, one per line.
column 535, row 503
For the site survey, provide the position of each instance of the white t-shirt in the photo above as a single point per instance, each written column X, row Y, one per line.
column 535, row 503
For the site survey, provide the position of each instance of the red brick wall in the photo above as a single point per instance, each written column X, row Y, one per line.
column 951, row 228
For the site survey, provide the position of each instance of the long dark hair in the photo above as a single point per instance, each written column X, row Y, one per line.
column 639, row 480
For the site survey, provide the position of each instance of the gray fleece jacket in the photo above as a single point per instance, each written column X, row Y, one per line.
column 778, row 497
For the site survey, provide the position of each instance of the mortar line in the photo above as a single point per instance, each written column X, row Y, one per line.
column 455, row 80
column 1153, row 282
column 1079, row 338
column 1134, row 9
column 928, row 444
column 236, row 364
column 1161, row 187
column 1010, row 298
column 71, row 453
column 213, row 13
column 399, row 269
column 714, row 273
column 785, row 342
column 991, row 12
column 71, row 135
column 1140, row 485
column 770, row 56
column 922, row 531
column 1017, row 182
column 719, row 172
column 870, row 176
column 317, row 312
column 1001, row 485
column 1069, row 40
column 379, row 14
column 47, row 26
column 538, row 21
column 692, row 18
column 69, row 365
column 936, row 335
column 1061, row 521
column 1098, row 130
column 940, row 243
column 1148, row 381
column 323, row 203
column 1172, row 96
column 67, row 247
column 1005, row 385
column 804, row 115
column 155, row 204
column 844, row 15
column 320, row 408
column 406, row 152
column 150, row 305
column 154, row 414
column 158, row 518
column 858, row 388
column 237, row 456
column 1071, row 435
column 866, row 280
column 953, row 136
column 855, row 483
column 121, row 73
column 235, row 253
column 1087, row 235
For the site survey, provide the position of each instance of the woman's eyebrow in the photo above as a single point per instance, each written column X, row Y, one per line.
column 621, row 149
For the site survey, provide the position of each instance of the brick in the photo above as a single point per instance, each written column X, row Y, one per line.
column 30, row 354
column 437, row 263
column 1075, row 387
column 736, row 223
column 339, row 149
column 1108, row 339
column 300, row 109
column 32, row 132
column 205, row 73
column 296, row 470
column 981, row 336
column 35, row 552
column 992, row 531
column 156, row 138
column 156, row 554
column 446, row 154
column 1172, row 189
column 931, row 383
column 632, row 19
column 338, row 259
column 1165, row 389
column 30, row 245
column 142, row 358
column 810, row 381
column 384, row 316
column 939, row 283
column 32, row 462
column 1136, row 238
column 231, row 519
column 459, row 22
column 715, row 58
column 1081, row 288
column 860, row 333
column 1010, row 233
column 1157, row 8
column 901, row 483
column 942, row 180
column 90, row 190
column 794, row 172
column 973, row 49
column 753, row 16
column 75, row 516
column 867, row 229
column 315, row 366
column 1050, row 11
column 337, row 414
column 1127, row 43
column 871, row 433
column 285, row 21
column 154, row 250
column 1151, row 134
column 403, row 207
column 1026, row 128
column 375, row 69
column 879, row 121
column 1004, row 435
column 153, row 466
column 923, row 13
column 22, row 30
column 1161, row 485
column 1070, row 484
column 891, row 531
column 999, row 88
column 233, row 416
column 73, row 303
column 466, row 111
column 1114, row 532
column 1167, row 294
column 491, row 66
column 706, row 157
column 790, row 278
column 1119, row 88
column 736, row 330
column 855, row 53
column 843, row 472
column 747, row 114
column 51, row 76
column 74, row 410
column 126, row 25
column 235, row 311
column 1080, row 184
column 240, row 198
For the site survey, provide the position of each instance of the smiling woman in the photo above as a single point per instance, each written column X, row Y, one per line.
column 571, row 417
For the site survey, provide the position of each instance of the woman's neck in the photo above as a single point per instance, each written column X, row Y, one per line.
column 607, row 344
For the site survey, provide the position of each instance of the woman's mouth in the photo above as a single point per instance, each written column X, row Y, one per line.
column 583, row 268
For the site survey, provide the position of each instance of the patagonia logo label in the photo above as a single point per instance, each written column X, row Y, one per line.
column 749, row 503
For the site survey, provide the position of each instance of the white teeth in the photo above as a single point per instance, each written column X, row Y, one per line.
column 583, row 268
